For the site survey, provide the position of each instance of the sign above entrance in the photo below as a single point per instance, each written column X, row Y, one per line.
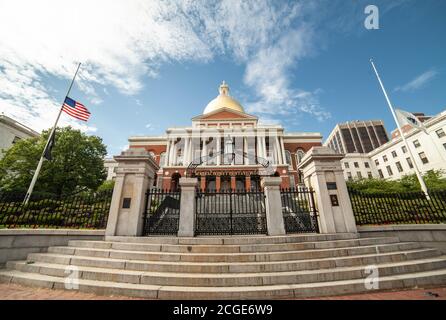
column 266, row 168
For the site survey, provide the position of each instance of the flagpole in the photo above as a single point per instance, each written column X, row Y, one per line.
column 417, row 170
column 39, row 165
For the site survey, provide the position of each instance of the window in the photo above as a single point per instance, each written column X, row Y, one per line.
column 349, row 176
column 346, row 165
column 359, row 175
column 385, row 158
column 288, row 157
column 404, row 149
column 366, row 164
column 394, row 154
column 423, row 157
column 444, row 146
column 440, row 133
column 416, row 143
column 299, row 155
column 409, row 162
column 369, row 174
column 398, row 166
column 389, row 170
column 376, row 162
column 356, row 165
column 380, row 172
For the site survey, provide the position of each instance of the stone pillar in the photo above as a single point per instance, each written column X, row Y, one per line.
column 322, row 171
column 134, row 175
column 217, row 183
column 187, row 207
column 218, row 150
column 233, row 183
column 247, row 183
column 203, row 183
column 273, row 204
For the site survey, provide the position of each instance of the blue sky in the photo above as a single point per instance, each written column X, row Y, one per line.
column 148, row 65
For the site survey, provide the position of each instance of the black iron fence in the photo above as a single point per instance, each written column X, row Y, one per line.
column 230, row 212
column 162, row 212
column 398, row 208
column 299, row 210
column 84, row 210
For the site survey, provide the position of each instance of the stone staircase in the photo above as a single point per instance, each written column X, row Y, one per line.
column 237, row 267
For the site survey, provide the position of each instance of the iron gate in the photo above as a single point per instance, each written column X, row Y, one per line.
column 230, row 212
column 299, row 210
column 162, row 212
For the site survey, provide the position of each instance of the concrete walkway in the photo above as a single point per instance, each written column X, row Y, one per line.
column 17, row 292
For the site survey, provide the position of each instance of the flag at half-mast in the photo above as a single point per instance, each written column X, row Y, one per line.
column 405, row 117
column 75, row 109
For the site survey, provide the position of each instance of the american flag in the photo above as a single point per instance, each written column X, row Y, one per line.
column 75, row 109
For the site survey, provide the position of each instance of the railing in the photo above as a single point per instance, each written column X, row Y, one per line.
column 230, row 212
column 299, row 210
column 162, row 212
column 398, row 208
column 87, row 211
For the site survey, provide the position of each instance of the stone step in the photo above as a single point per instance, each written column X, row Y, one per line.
column 237, row 240
column 408, row 280
column 240, row 267
column 231, row 279
column 235, row 257
column 129, row 246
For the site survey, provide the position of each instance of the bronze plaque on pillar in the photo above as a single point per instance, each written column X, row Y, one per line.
column 126, row 203
column 334, row 200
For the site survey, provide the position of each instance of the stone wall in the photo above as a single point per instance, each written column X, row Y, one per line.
column 15, row 244
column 429, row 235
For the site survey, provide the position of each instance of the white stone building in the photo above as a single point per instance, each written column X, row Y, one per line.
column 392, row 160
column 12, row 131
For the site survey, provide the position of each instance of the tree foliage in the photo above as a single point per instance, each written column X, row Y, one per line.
column 77, row 163
column 434, row 180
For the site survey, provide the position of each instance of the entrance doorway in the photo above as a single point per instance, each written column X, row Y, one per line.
column 225, row 183
column 210, row 183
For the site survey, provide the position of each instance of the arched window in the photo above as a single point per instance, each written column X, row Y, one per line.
column 299, row 155
column 288, row 157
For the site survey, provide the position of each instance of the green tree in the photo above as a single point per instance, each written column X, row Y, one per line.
column 77, row 163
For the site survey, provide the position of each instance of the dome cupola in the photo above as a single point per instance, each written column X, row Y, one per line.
column 223, row 100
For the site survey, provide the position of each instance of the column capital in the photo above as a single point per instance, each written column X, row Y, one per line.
column 271, row 181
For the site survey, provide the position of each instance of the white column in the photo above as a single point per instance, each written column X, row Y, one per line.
column 259, row 147
column 186, row 152
column 282, row 146
column 277, row 150
column 168, row 152
column 218, row 150
column 205, row 147
column 245, row 150
column 265, row 152
column 172, row 153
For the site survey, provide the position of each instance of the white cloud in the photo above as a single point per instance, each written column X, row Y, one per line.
column 121, row 42
column 418, row 82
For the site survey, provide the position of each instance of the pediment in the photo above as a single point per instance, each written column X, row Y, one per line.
column 225, row 114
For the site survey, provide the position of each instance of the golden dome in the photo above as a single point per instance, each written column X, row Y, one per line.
column 223, row 100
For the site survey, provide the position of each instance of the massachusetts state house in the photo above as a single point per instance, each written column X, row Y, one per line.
column 226, row 148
